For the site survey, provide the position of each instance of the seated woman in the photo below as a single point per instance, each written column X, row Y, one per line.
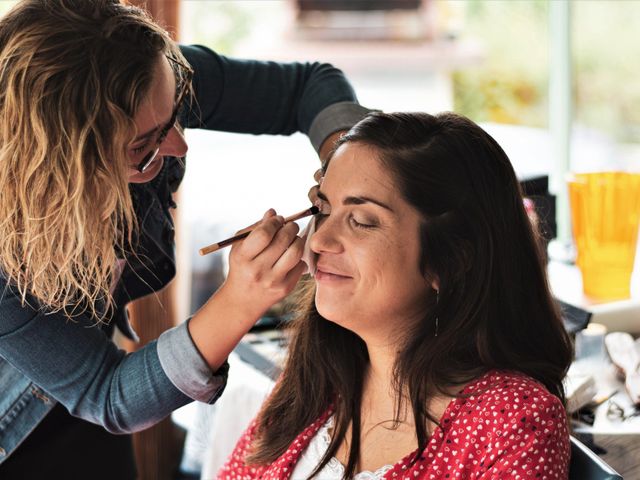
column 429, row 345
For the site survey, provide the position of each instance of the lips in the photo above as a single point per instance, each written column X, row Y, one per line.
column 327, row 272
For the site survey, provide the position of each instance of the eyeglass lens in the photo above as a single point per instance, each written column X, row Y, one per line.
column 183, row 76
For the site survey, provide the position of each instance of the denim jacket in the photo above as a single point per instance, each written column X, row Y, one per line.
column 45, row 359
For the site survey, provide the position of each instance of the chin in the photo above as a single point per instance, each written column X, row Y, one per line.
column 324, row 306
column 325, row 310
column 332, row 312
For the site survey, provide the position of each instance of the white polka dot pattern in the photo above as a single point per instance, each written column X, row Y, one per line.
column 507, row 426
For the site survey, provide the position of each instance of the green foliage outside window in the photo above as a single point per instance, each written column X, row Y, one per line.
column 511, row 86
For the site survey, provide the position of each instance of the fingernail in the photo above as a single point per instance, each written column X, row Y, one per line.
column 269, row 213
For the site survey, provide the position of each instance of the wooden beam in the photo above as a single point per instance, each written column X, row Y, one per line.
column 165, row 13
column 158, row 448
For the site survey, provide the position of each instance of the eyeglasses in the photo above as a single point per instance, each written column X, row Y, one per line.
column 184, row 74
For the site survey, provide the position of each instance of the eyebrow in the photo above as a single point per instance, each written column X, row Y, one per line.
column 155, row 129
column 147, row 134
column 357, row 200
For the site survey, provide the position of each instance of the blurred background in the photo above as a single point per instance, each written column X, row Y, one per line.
column 492, row 60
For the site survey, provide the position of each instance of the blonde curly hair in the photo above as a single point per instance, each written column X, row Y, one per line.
column 72, row 76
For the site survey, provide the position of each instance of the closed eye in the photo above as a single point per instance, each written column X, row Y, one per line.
column 357, row 224
column 140, row 149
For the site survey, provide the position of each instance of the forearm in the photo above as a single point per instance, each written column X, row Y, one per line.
column 263, row 269
column 77, row 364
column 127, row 395
column 220, row 325
column 249, row 96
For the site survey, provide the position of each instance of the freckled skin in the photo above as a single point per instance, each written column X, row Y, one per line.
column 368, row 276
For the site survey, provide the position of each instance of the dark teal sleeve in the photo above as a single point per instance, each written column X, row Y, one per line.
column 261, row 97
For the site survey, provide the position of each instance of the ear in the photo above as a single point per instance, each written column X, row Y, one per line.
column 433, row 280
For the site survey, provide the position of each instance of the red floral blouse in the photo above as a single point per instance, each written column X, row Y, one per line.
column 508, row 426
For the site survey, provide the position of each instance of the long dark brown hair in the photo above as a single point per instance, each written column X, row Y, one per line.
column 494, row 307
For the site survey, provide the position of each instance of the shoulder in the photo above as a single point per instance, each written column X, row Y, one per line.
column 508, row 404
column 508, row 386
column 506, row 421
column 503, row 395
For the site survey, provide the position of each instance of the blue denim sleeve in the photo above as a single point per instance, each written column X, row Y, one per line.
column 261, row 97
column 186, row 368
column 77, row 364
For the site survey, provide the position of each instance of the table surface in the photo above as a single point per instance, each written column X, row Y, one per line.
column 622, row 453
column 621, row 442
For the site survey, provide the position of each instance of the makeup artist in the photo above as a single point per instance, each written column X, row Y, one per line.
column 93, row 100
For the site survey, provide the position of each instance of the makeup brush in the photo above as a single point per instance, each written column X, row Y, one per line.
column 225, row 243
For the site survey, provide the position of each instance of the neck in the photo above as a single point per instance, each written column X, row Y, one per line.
column 379, row 396
column 381, row 361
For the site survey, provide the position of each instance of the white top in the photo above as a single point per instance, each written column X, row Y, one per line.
column 334, row 470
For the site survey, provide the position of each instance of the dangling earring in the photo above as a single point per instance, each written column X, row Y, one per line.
column 437, row 299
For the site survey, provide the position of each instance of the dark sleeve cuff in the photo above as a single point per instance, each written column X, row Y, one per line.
column 335, row 117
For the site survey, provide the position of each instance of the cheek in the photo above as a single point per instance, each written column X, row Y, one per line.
column 385, row 262
column 393, row 275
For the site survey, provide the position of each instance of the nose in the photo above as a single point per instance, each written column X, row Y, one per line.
column 174, row 145
column 326, row 238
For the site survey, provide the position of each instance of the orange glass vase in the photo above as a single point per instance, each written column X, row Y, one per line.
column 605, row 213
